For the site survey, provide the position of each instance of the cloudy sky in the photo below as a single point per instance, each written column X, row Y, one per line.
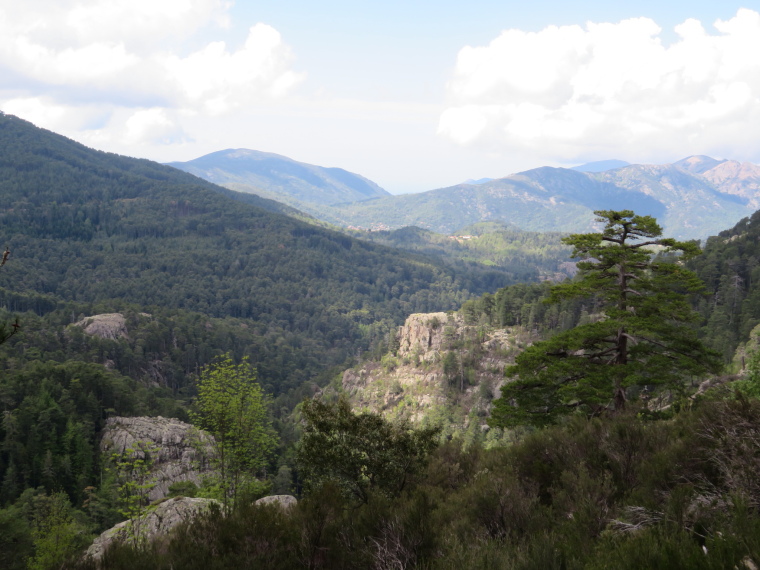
column 414, row 95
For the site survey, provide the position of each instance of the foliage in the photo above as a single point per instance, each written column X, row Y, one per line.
column 610, row 492
column 361, row 452
column 232, row 407
column 134, row 480
column 96, row 232
column 730, row 269
column 57, row 535
column 642, row 338
column 524, row 256
column 52, row 413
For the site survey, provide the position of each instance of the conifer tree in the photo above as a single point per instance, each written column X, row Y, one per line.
column 643, row 334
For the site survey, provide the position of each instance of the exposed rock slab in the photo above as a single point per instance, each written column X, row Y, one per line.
column 112, row 326
column 182, row 451
column 286, row 502
column 159, row 521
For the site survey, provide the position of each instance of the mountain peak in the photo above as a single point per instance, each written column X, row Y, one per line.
column 697, row 164
column 281, row 178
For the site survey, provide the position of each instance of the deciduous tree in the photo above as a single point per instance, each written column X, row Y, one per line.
column 233, row 408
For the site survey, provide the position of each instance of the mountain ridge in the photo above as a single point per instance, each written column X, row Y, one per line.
column 693, row 198
column 689, row 205
column 281, row 178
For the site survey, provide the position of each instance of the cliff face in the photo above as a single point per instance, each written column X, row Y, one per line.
column 443, row 369
column 182, row 450
column 423, row 335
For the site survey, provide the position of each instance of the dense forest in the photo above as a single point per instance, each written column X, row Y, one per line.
column 105, row 231
column 525, row 256
column 199, row 273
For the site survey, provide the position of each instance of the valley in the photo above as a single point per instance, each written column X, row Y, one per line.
column 380, row 330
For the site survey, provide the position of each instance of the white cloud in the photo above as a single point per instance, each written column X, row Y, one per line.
column 134, row 56
column 611, row 90
column 216, row 80
column 152, row 126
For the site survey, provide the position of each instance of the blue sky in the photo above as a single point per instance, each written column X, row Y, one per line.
column 413, row 95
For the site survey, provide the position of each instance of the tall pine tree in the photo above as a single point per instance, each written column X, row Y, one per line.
column 641, row 336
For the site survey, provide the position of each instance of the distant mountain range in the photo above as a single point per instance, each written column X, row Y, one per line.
column 280, row 178
column 693, row 198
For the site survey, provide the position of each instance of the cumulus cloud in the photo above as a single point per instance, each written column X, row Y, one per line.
column 134, row 54
column 609, row 89
column 216, row 79
column 152, row 126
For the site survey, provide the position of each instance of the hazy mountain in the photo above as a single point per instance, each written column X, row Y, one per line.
column 281, row 178
column 693, row 198
column 697, row 164
column 600, row 165
column 478, row 181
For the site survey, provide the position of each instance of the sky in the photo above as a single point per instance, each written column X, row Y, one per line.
column 413, row 95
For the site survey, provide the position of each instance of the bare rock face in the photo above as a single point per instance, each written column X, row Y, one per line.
column 157, row 522
column 423, row 334
column 440, row 362
column 112, row 326
column 285, row 502
column 182, row 451
column 738, row 178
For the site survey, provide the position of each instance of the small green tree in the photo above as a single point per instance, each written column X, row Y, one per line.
column 135, row 479
column 645, row 336
column 57, row 535
column 232, row 407
column 361, row 452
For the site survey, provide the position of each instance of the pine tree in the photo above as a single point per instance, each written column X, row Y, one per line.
column 641, row 334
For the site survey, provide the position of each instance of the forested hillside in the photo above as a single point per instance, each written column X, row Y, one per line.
column 525, row 256
column 92, row 227
column 197, row 271
column 730, row 269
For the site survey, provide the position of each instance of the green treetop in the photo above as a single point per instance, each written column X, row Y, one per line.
column 643, row 335
column 363, row 452
column 232, row 407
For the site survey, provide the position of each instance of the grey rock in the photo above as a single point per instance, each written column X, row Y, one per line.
column 286, row 502
column 183, row 452
column 112, row 326
column 158, row 521
column 424, row 334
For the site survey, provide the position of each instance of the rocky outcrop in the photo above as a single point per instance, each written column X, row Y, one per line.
column 182, row 452
column 285, row 502
column 424, row 334
column 440, row 361
column 158, row 521
column 112, row 326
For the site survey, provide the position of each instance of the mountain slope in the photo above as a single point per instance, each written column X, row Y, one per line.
column 281, row 178
column 543, row 199
column 92, row 227
column 694, row 198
